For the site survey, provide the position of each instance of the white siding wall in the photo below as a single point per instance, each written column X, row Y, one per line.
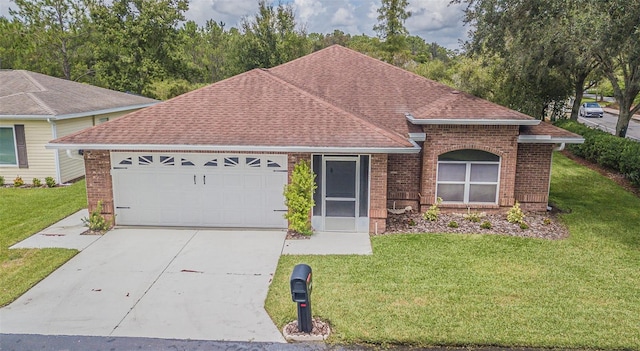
column 41, row 160
column 71, row 168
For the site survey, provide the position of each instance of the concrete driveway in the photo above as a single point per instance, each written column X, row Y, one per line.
column 164, row 283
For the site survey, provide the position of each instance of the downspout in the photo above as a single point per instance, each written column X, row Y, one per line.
column 56, row 156
column 556, row 148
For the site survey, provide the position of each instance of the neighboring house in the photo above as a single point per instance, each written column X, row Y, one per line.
column 35, row 108
column 376, row 135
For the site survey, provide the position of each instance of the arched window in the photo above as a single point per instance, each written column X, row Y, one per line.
column 468, row 176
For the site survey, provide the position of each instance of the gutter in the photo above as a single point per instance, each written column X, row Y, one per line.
column 79, row 114
column 548, row 139
column 472, row 121
column 239, row 148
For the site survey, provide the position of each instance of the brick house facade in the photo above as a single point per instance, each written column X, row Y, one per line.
column 378, row 137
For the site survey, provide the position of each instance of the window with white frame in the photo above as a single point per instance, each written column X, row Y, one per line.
column 8, row 149
column 468, row 176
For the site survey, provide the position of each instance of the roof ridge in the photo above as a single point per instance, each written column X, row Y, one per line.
column 32, row 80
column 40, row 103
column 383, row 131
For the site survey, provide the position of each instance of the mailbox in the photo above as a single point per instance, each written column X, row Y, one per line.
column 301, row 282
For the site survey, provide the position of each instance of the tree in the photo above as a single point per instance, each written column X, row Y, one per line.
column 137, row 42
column 391, row 30
column 540, row 45
column 617, row 50
column 58, row 30
column 271, row 38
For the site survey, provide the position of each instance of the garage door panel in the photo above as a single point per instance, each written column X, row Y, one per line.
column 199, row 189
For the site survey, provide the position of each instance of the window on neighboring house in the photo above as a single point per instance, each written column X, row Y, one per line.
column 468, row 176
column 13, row 148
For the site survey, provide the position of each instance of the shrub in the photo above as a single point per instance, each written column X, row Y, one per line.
column 299, row 198
column 515, row 214
column 1, row 181
column 474, row 217
column 606, row 150
column 18, row 182
column 411, row 222
column 453, row 224
column 486, row 225
column 50, row 182
column 524, row 226
column 96, row 221
column 546, row 221
column 36, row 182
column 433, row 212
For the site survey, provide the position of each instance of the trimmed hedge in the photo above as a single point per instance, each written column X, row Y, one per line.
column 610, row 151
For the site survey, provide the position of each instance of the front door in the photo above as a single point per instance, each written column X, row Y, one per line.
column 340, row 193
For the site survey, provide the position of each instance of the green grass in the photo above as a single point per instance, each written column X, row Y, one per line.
column 445, row 289
column 24, row 212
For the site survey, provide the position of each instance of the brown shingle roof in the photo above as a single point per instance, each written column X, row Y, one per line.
column 250, row 109
column 334, row 97
column 25, row 93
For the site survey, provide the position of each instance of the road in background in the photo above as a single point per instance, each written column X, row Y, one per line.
column 608, row 122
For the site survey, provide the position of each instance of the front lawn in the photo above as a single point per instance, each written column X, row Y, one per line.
column 454, row 289
column 24, row 212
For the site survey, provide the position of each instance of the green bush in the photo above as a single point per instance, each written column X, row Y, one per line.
column 299, row 198
column 96, row 221
column 1, row 181
column 486, row 225
column 515, row 214
column 18, row 182
column 50, row 182
column 610, row 151
column 36, row 182
column 453, row 224
column 433, row 212
column 474, row 217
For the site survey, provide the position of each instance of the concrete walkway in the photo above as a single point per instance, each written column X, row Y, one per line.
column 66, row 234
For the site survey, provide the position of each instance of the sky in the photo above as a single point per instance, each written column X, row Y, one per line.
column 433, row 20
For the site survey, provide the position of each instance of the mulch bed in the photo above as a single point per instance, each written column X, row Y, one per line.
column 320, row 328
column 540, row 226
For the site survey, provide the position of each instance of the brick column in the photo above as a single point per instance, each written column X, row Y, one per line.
column 97, row 164
column 378, row 194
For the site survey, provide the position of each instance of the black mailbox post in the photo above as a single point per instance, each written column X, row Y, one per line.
column 301, row 286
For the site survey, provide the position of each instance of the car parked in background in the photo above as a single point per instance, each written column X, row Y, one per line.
column 591, row 109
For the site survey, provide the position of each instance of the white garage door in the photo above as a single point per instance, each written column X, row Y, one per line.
column 209, row 190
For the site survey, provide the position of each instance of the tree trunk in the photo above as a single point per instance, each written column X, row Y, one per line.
column 576, row 103
column 623, row 122
column 578, row 86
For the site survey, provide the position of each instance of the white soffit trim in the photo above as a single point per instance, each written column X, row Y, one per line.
column 548, row 139
column 237, row 148
column 473, row 121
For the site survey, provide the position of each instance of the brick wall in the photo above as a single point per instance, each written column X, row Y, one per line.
column 378, row 194
column 403, row 181
column 499, row 140
column 97, row 165
column 533, row 172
